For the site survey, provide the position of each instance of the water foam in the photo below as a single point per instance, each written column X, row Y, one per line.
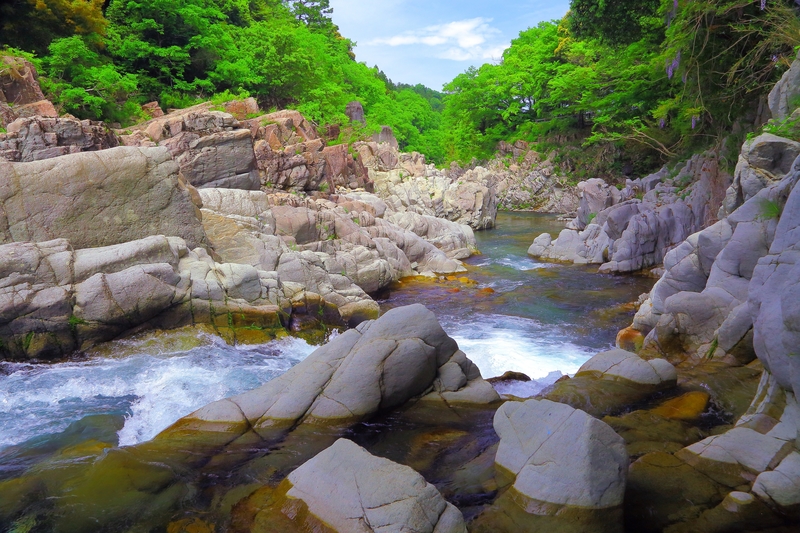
column 153, row 390
column 498, row 343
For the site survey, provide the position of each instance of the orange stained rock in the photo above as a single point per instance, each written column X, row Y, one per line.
column 687, row 407
column 630, row 339
column 486, row 290
column 451, row 278
column 453, row 290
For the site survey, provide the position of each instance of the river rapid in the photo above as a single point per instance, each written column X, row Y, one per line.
column 508, row 312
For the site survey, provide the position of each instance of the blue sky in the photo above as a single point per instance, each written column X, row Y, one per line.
column 431, row 42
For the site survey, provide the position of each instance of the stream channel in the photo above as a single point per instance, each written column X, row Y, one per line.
column 509, row 312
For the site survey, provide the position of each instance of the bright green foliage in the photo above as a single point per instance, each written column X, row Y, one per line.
column 284, row 53
column 658, row 78
column 85, row 84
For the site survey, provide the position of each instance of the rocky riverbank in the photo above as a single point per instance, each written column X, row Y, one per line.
column 690, row 425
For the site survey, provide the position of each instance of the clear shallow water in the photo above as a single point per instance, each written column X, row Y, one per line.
column 151, row 390
column 525, row 315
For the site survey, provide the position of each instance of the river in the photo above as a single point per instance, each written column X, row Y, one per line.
column 513, row 313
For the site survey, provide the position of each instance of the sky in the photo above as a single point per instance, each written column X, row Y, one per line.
column 432, row 41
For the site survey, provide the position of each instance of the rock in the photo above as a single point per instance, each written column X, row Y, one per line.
column 19, row 81
column 54, row 300
column 662, row 490
column 592, row 245
column 39, row 137
column 377, row 366
column 42, row 108
column 701, row 306
column 98, row 199
column 611, row 380
column 596, row 196
column 785, row 92
column 781, row 487
column 355, row 112
column 763, row 161
column 153, row 109
column 335, row 252
column 567, row 470
column 467, row 201
column 347, row 489
column 224, row 159
column 386, row 135
column 622, row 365
column 630, row 234
column 773, row 291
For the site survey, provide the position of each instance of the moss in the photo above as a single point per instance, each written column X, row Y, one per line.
column 26, row 342
column 74, row 322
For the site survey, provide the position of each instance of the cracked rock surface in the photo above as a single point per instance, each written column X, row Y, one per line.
column 351, row 490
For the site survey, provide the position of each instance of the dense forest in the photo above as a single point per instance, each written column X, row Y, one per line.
column 650, row 79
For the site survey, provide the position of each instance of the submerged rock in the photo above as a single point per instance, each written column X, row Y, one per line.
column 346, row 489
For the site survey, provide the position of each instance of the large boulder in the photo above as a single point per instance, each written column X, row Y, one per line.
column 224, row 159
column 567, row 470
column 98, row 199
column 376, row 366
column 346, row 489
column 611, row 380
column 19, row 87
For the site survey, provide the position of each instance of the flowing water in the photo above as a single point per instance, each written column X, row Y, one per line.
column 515, row 313
column 61, row 421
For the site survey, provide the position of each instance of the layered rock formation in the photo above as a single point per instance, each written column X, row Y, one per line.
column 633, row 229
column 729, row 296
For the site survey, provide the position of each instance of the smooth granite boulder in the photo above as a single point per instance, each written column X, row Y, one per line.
column 611, row 380
column 378, row 365
column 567, row 471
column 346, row 489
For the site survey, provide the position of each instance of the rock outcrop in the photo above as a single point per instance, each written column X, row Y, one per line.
column 39, row 137
column 346, row 489
column 55, row 300
column 98, row 199
column 612, row 380
column 729, row 295
column 567, row 470
column 20, row 94
column 783, row 97
column 633, row 229
column 700, row 305
column 376, row 366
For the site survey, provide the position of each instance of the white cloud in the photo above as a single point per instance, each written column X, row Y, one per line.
column 460, row 40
